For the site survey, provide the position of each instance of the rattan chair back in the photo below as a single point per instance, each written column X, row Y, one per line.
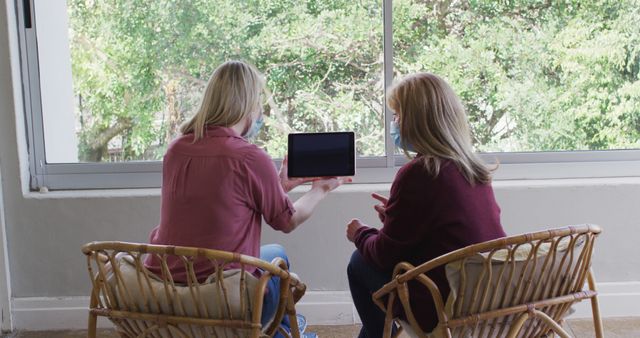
column 519, row 286
column 145, row 304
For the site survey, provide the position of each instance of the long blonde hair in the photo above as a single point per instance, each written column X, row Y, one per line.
column 434, row 122
column 232, row 94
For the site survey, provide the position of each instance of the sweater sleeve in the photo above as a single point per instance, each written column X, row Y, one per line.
column 264, row 186
column 409, row 217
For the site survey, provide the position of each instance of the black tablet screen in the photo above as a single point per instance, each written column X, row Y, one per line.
column 321, row 154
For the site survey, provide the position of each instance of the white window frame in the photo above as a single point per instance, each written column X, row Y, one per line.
column 147, row 174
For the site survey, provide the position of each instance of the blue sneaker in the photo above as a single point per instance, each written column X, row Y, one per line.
column 302, row 323
column 302, row 326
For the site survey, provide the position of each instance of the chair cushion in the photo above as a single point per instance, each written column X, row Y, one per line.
column 505, row 286
column 219, row 297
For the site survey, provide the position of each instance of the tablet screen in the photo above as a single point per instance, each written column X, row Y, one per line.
column 322, row 154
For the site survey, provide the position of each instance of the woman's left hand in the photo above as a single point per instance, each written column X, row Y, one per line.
column 287, row 183
column 352, row 228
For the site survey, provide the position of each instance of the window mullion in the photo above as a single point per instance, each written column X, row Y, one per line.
column 31, row 98
column 387, row 29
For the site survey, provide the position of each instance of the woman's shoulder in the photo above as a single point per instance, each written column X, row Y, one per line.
column 413, row 173
column 416, row 171
column 405, row 169
column 416, row 167
column 250, row 155
column 179, row 144
column 230, row 147
column 254, row 154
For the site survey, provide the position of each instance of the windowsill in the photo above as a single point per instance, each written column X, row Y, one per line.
column 566, row 182
column 349, row 188
column 567, row 170
column 97, row 193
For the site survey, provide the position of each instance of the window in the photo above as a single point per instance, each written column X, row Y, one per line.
column 107, row 83
column 534, row 75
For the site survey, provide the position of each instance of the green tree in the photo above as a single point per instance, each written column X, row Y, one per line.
column 140, row 67
column 534, row 75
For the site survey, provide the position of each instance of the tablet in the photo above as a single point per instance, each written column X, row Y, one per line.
column 322, row 154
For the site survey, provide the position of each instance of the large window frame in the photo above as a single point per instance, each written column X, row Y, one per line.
column 147, row 174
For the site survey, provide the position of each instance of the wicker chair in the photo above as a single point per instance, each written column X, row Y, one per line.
column 519, row 286
column 143, row 304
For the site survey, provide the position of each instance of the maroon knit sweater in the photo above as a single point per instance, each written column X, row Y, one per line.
column 427, row 217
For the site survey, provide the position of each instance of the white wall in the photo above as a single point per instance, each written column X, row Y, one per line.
column 5, row 281
column 45, row 231
column 5, row 102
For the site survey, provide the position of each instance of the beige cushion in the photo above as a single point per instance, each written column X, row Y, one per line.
column 133, row 293
column 505, row 287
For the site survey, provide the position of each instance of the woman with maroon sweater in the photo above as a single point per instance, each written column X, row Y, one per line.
column 440, row 201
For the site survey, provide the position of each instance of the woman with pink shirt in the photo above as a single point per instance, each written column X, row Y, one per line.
column 217, row 187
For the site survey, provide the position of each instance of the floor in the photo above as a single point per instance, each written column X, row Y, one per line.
column 613, row 327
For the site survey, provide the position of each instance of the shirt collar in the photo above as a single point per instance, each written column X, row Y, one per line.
column 219, row 131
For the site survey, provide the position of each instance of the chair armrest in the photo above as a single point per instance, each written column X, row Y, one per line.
column 298, row 288
column 399, row 269
column 402, row 274
column 291, row 289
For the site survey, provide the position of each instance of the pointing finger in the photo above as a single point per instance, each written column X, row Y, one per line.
column 380, row 198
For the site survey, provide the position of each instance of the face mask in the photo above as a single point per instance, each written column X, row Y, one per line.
column 255, row 128
column 397, row 139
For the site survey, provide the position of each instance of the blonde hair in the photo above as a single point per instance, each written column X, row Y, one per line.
column 232, row 94
column 434, row 122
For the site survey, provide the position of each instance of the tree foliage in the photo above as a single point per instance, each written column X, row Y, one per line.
column 534, row 75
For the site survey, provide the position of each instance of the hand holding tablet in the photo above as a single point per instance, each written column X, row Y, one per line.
column 288, row 183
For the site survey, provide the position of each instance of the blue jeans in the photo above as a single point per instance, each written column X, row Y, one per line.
column 364, row 280
column 270, row 304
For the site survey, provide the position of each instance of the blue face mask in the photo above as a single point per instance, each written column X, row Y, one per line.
column 397, row 139
column 255, row 128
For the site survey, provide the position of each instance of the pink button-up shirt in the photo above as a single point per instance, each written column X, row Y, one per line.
column 214, row 194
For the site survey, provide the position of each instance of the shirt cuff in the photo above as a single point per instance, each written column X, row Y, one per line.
column 362, row 233
column 282, row 220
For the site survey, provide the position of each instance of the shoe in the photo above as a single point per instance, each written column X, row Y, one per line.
column 309, row 335
column 302, row 323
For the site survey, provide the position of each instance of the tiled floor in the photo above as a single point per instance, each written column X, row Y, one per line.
column 613, row 327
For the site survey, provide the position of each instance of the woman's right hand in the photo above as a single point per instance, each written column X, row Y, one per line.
column 380, row 208
column 327, row 184
column 289, row 183
column 352, row 229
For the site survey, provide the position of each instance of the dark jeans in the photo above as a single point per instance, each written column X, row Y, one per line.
column 268, row 253
column 364, row 280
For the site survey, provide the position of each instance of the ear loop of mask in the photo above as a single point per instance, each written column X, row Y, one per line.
column 255, row 127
